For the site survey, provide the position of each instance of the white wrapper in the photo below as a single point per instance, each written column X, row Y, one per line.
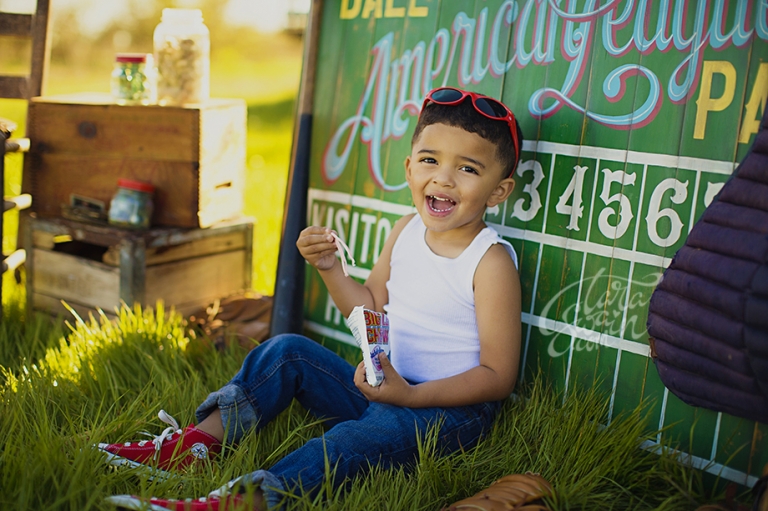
column 371, row 332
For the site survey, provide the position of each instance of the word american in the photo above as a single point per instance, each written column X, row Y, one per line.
column 475, row 49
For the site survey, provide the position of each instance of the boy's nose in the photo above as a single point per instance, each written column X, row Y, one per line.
column 443, row 176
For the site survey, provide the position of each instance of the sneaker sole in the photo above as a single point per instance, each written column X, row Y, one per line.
column 128, row 502
column 119, row 461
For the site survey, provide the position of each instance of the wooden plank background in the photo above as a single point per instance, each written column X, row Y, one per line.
column 634, row 114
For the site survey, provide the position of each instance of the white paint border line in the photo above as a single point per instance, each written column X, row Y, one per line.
column 718, row 469
column 358, row 201
column 330, row 332
column 586, row 334
column 624, row 155
column 587, row 247
column 559, row 327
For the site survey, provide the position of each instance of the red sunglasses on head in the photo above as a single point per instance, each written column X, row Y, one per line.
column 486, row 106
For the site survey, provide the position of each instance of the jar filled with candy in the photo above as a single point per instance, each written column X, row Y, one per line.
column 132, row 205
column 182, row 51
column 132, row 78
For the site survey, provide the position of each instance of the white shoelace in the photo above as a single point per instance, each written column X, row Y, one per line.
column 225, row 490
column 167, row 434
column 342, row 248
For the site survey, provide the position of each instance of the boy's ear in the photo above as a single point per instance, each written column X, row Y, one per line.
column 407, row 164
column 503, row 190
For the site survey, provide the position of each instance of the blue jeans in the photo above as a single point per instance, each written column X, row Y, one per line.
column 360, row 433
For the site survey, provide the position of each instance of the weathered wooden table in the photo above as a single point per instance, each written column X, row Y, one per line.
column 91, row 266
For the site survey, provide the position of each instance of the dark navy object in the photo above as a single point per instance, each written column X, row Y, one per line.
column 708, row 317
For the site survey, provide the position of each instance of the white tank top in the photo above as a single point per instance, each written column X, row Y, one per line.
column 433, row 326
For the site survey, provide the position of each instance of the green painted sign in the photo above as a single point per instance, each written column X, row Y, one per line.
column 635, row 112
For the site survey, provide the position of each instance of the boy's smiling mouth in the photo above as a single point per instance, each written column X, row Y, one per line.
column 440, row 204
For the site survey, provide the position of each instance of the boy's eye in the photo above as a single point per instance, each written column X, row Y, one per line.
column 467, row 168
column 428, row 159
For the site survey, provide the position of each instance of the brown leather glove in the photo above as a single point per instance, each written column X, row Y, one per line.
column 240, row 318
column 518, row 492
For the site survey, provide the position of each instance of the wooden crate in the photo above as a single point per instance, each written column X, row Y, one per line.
column 194, row 155
column 97, row 267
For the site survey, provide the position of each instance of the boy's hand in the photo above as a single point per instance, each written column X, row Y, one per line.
column 317, row 246
column 394, row 390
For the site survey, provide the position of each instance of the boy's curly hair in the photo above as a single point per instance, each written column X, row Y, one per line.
column 464, row 116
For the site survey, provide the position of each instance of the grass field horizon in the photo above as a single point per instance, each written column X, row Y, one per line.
column 269, row 86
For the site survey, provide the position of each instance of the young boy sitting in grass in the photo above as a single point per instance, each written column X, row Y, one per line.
column 450, row 287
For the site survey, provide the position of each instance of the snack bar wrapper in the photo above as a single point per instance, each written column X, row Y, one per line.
column 371, row 332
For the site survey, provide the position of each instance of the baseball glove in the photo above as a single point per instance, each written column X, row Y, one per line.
column 518, row 492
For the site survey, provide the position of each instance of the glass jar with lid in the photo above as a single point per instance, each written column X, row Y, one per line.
column 182, row 54
column 132, row 206
column 131, row 81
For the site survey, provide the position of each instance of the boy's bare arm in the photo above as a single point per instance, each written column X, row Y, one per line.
column 317, row 246
column 497, row 305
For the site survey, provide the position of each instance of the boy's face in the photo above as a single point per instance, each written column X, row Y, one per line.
column 454, row 175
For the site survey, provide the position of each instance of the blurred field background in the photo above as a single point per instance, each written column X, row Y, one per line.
column 64, row 386
column 246, row 62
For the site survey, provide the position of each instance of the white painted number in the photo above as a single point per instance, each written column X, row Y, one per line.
column 655, row 213
column 625, row 207
column 518, row 210
column 664, row 225
column 575, row 210
column 712, row 190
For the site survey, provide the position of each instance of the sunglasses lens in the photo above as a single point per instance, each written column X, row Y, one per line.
column 446, row 95
column 491, row 107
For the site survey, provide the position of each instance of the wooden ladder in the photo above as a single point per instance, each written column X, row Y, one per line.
column 33, row 27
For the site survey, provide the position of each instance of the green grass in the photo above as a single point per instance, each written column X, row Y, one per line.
column 66, row 386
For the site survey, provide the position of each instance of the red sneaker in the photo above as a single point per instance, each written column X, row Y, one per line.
column 171, row 449
column 217, row 500
column 228, row 503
